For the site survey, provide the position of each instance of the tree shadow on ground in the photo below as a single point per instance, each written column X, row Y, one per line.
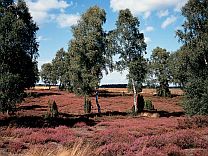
column 32, row 107
column 70, row 120
column 40, row 94
column 41, row 122
column 171, row 114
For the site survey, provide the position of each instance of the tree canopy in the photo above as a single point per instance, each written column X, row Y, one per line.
column 18, row 50
column 87, row 51
column 160, row 69
column 195, row 38
column 129, row 45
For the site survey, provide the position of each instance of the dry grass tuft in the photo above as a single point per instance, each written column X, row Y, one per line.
column 78, row 149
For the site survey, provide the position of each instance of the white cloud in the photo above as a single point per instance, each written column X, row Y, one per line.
column 67, row 20
column 147, row 39
column 180, row 5
column 149, row 29
column 170, row 20
column 147, row 14
column 143, row 6
column 163, row 13
column 43, row 11
column 41, row 38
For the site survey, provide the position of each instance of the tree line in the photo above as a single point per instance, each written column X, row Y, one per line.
column 92, row 50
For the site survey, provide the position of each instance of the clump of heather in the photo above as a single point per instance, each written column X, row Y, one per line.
column 193, row 122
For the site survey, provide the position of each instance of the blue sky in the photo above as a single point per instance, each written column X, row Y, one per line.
column 159, row 19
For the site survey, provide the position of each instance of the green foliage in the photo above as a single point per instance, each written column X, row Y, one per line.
column 160, row 69
column 163, row 91
column 61, row 68
column 11, row 91
column 148, row 105
column 196, row 97
column 18, row 50
column 48, row 75
column 129, row 45
column 178, row 65
column 87, row 53
column 194, row 36
column 52, row 110
column 87, row 105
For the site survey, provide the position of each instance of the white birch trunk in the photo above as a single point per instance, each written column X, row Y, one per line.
column 135, row 96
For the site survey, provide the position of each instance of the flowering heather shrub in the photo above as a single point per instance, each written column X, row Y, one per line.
column 21, row 132
column 80, row 125
column 173, row 150
column 61, row 134
column 193, row 122
column 185, row 139
column 111, row 135
column 114, row 149
column 16, row 147
column 152, row 151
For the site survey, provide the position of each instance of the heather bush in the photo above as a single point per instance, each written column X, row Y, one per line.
column 193, row 122
column 87, row 105
column 114, row 149
column 16, row 147
column 184, row 139
column 148, row 105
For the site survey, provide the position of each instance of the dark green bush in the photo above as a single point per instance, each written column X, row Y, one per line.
column 11, row 91
column 140, row 104
column 148, row 105
column 196, row 97
column 52, row 110
column 163, row 92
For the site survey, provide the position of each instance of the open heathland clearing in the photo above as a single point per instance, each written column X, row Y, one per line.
column 113, row 132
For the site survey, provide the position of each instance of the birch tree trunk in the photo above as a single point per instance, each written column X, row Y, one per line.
column 135, row 96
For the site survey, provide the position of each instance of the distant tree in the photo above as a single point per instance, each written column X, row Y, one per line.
column 87, row 51
column 61, row 68
column 150, row 79
column 18, row 51
column 195, row 38
column 48, row 75
column 129, row 45
column 178, row 65
column 160, row 69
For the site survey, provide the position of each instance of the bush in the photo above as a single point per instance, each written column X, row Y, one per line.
column 196, row 97
column 52, row 110
column 163, row 92
column 140, row 105
column 87, row 105
column 148, row 105
column 11, row 91
column 193, row 122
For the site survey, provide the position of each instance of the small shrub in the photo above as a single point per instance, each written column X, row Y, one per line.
column 53, row 110
column 87, row 105
column 163, row 92
column 148, row 105
column 193, row 122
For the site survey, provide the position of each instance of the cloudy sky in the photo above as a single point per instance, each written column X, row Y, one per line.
column 159, row 20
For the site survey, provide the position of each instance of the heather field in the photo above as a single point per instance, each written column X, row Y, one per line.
column 113, row 132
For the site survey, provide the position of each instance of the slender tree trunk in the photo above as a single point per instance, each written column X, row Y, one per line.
column 96, row 98
column 135, row 96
